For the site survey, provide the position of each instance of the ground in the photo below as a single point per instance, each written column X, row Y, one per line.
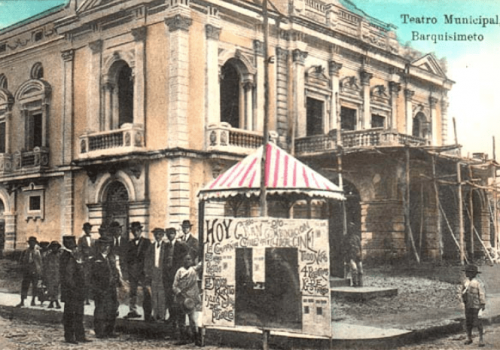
column 426, row 292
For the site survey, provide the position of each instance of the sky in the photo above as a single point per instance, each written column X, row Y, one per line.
column 472, row 65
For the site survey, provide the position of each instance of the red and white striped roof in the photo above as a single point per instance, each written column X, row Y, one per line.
column 284, row 174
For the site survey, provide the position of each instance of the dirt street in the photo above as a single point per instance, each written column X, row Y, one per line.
column 19, row 335
column 455, row 342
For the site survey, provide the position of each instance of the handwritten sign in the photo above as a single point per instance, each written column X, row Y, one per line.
column 267, row 272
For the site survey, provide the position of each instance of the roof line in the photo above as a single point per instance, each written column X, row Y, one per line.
column 35, row 17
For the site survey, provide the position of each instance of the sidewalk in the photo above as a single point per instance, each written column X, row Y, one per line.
column 344, row 335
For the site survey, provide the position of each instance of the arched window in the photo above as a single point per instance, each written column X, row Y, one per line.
column 236, row 95
column 6, row 103
column 119, row 96
column 420, row 126
column 230, row 95
column 125, row 96
column 36, row 71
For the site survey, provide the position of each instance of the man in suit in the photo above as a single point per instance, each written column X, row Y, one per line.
column 175, row 251
column 154, row 266
column 72, row 291
column 190, row 240
column 105, row 279
column 31, row 264
column 87, row 248
column 119, row 248
column 135, row 256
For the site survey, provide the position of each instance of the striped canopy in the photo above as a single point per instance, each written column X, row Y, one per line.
column 283, row 175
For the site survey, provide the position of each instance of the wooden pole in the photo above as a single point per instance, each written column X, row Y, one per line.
column 450, row 229
column 471, row 216
column 495, row 199
column 460, row 215
column 410, row 242
column 265, row 139
column 438, row 212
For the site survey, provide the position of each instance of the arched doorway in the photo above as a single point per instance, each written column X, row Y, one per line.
column 420, row 126
column 340, row 214
column 115, row 208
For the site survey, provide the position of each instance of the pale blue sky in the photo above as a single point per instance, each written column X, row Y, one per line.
column 472, row 64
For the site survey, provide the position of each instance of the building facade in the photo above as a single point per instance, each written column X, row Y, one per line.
column 123, row 110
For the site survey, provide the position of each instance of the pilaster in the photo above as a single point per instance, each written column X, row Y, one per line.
column 444, row 120
column 299, row 106
column 94, row 83
column 67, row 117
column 334, row 71
column 282, row 94
column 394, row 89
column 258, row 47
column 139, row 35
column 365, row 78
column 432, row 103
column 178, row 75
column 409, row 110
column 68, row 204
column 212, row 34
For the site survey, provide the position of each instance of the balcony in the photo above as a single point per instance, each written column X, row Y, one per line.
column 31, row 161
column 129, row 138
column 224, row 138
column 318, row 144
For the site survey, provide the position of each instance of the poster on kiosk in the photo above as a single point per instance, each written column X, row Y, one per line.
column 267, row 273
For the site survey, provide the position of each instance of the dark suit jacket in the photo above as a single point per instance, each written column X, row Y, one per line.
column 87, row 250
column 174, row 261
column 72, row 277
column 135, row 257
column 193, row 245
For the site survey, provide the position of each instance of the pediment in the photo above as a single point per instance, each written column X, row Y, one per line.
column 430, row 64
column 92, row 4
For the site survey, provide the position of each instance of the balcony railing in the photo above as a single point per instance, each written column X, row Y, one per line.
column 355, row 139
column 35, row 159
column 129, row 138
column 223, row 137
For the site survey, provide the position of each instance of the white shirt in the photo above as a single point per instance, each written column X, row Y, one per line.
column 157, row 254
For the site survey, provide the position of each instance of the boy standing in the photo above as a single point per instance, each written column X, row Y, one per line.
column 187, row 296
column 474, row 300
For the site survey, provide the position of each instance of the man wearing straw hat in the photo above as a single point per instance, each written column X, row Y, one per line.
column 31, row 263
column 87, row 246
column 474, row 299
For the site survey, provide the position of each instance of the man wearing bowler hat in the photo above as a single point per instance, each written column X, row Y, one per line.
column 189, row 239
column 87, row 247
column 31, row 264
column 474, row 299
column 135, row 256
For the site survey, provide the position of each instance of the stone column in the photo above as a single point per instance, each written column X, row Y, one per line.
column 444, row 120
column 282, row 77
column 334, row 70
column 432, row 103
column 212, row 76
column 409, row 110
column 258, row 47
column 67, row 110
column 107, row 94
column 299, row 92
column 365, row 82
column 139, row 35
column 248, row 103
column 394, row 89
column 93, row 93
column 178, row 78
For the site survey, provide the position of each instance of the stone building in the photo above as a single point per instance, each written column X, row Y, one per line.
column 123, row 110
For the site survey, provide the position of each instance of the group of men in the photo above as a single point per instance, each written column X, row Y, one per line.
column 96, row 268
